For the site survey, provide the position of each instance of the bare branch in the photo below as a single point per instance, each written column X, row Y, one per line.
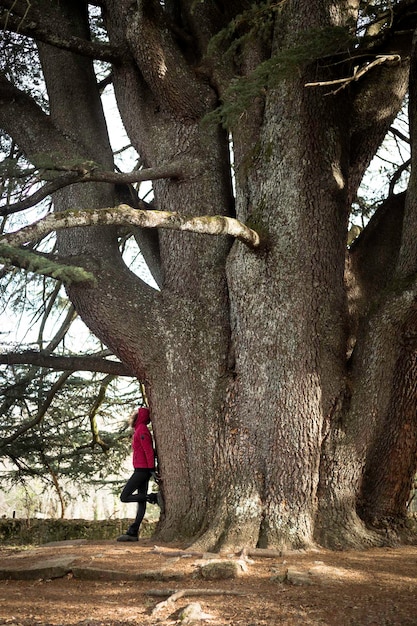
column 397, row 133
column 397, row 175
column 81, row 174
column 62, row 331
column 124, row 215
column 42, row 193
column 392, row 59
column 66, row 363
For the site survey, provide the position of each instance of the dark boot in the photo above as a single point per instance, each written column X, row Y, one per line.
column 127, row 537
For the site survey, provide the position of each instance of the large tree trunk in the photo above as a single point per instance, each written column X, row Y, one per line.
column 272, row 396
column 248, row 408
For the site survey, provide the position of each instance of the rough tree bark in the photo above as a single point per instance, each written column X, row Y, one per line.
column 276, row 377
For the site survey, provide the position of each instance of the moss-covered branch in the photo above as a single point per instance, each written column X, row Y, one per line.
column 124, row 215
column 28, row 260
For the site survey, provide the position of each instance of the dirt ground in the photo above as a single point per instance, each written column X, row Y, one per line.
column 377, row 587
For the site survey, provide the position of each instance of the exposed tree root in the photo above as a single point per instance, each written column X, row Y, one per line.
column 349, row 534
column 182, row 553
column 241, row 553
column 174, row 595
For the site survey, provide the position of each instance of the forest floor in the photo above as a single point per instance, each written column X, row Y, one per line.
column 104, row 583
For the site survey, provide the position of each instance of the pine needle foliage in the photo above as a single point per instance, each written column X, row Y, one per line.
column 255, row 24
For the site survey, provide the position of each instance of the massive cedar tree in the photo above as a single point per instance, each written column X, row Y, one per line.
column 281, row 373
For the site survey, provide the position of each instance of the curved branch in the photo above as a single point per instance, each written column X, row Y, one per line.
column 162, row 64
column 39, row 195
column 176, row 169
column 124, row 215
column 66, row 363
column 62, row 330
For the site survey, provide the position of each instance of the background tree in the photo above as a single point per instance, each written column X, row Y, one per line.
column 62, row 427
column 278, row 372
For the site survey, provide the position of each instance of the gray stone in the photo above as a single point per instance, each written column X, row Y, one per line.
column 220, row 570
column 47, row 569
column 193, row 614
column 279, row 573
column 297, row 577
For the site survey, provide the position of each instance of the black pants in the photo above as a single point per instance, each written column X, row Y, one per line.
column 137, row 482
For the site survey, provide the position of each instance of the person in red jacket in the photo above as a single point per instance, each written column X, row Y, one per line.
column 144, row 467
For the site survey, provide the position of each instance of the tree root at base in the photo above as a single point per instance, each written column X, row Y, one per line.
column 174, row 595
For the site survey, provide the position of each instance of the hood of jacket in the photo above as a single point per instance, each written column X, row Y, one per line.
column 143, row 416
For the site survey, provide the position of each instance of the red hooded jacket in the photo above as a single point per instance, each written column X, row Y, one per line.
column 143, row 453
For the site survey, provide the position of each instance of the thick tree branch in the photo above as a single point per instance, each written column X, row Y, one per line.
column 82, row 174
column 35, row 29
column 85, row 174
column 31, row 128
column 373, row 255
column 164, row 68
column 379, row 95
column 377, row 99
column 124, row 215
column 66, row 363
column 407, row 263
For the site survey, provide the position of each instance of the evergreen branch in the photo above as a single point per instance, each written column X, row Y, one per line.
column 66, row 363
column 316, row 44
column 32, row 262
column 124, row 215
column 41, row 412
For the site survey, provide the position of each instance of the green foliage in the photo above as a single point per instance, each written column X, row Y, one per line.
column 254, row 23
column 20, row 532
column 281, row 66
column 62, row 446
column 59, row 429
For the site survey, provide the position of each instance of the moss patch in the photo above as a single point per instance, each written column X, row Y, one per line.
column 38, row 531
